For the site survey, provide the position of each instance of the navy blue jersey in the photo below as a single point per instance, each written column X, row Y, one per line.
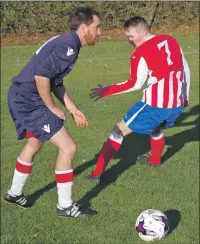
column 53, row 60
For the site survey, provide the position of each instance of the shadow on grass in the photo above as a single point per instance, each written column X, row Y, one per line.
column 127, row 155
column 133, row 145
column 174, row 217
column 37, row 194
column 177, row 142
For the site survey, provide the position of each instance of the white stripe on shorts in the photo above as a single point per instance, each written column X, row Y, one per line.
column 135, row 115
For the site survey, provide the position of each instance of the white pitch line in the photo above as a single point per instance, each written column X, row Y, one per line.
column 102, row 59
column 113, row 58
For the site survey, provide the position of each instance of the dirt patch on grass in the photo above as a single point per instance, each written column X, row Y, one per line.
column 107, row 35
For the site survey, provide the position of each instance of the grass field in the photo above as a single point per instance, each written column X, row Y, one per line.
column 128, row 187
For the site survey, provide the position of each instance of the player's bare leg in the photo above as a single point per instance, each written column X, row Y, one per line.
column 65, row 177
column 31, row 148
column 67, row 149
column 109, row 149
column 24, row 165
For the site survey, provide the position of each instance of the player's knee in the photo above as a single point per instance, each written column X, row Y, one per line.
column 73, row 148
column 157, row 131
column 70, row 149
column 122, row 128
column 34, row 145
column 117, row 130
column 116, row 135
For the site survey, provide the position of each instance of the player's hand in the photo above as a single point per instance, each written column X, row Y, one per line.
column 79, row 118
column 186, row 104
column 97, row 93
column 58, row 112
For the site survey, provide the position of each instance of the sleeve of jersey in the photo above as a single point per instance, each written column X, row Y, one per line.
column 56, row 63
column 138, row 76
column 186, row 79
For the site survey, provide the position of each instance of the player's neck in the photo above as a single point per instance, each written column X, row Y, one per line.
column 81, row 38
column 145, row 38
column 148, row 36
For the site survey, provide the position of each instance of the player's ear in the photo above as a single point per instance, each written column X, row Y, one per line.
column 84, row 28
column 143, row 32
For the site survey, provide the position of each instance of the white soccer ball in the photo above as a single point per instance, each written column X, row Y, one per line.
column 152, row 225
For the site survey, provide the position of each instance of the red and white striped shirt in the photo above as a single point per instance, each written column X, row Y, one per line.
column 160, row 62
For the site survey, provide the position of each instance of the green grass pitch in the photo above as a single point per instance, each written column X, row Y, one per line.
column 129, row 187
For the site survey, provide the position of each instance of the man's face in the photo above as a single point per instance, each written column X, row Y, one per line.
column 93, row 31
column 135, row 36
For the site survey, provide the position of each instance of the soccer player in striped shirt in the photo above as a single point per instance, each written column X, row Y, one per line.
column 159, row 61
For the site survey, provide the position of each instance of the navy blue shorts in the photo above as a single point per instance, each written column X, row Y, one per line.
column 29, row 113
column 144, row 119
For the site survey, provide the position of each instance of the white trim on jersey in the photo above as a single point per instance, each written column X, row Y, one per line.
column 179, row 93
column 186, row 78
column 142, row 72
column 171, row 92
column 150, row 37
column 160, row 93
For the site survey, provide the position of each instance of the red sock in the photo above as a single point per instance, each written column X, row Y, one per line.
column 22, row 167
column 108, row 151
column 157, row 145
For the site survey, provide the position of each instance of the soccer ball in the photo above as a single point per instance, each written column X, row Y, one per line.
column 152, row 225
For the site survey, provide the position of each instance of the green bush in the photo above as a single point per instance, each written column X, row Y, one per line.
column 52, row 17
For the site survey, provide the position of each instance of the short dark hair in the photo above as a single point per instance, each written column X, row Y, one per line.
column 82, row 15
column 136, row 21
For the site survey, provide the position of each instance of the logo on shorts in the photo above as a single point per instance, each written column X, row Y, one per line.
column 46, row 128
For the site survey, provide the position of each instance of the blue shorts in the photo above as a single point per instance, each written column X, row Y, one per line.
column 144, row 119
column 29, row 113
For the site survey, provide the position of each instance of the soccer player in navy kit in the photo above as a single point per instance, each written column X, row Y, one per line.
column 36, row 115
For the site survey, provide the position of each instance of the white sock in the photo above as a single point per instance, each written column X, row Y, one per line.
column 64, row 194
column 157, row 136
column 64, row 189
column 19, row 179
column 116, row 136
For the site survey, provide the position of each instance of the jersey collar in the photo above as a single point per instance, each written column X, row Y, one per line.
column 76, row 37
column 150, row 37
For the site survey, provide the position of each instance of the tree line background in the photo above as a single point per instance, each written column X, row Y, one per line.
column 52, row 17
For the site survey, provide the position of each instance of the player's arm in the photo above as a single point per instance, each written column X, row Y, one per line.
column 186, row 80
column 138, row 76
column 55, row 64
column 44, row 90
column 52, row 66
column 61, row 94
column 64, row 98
